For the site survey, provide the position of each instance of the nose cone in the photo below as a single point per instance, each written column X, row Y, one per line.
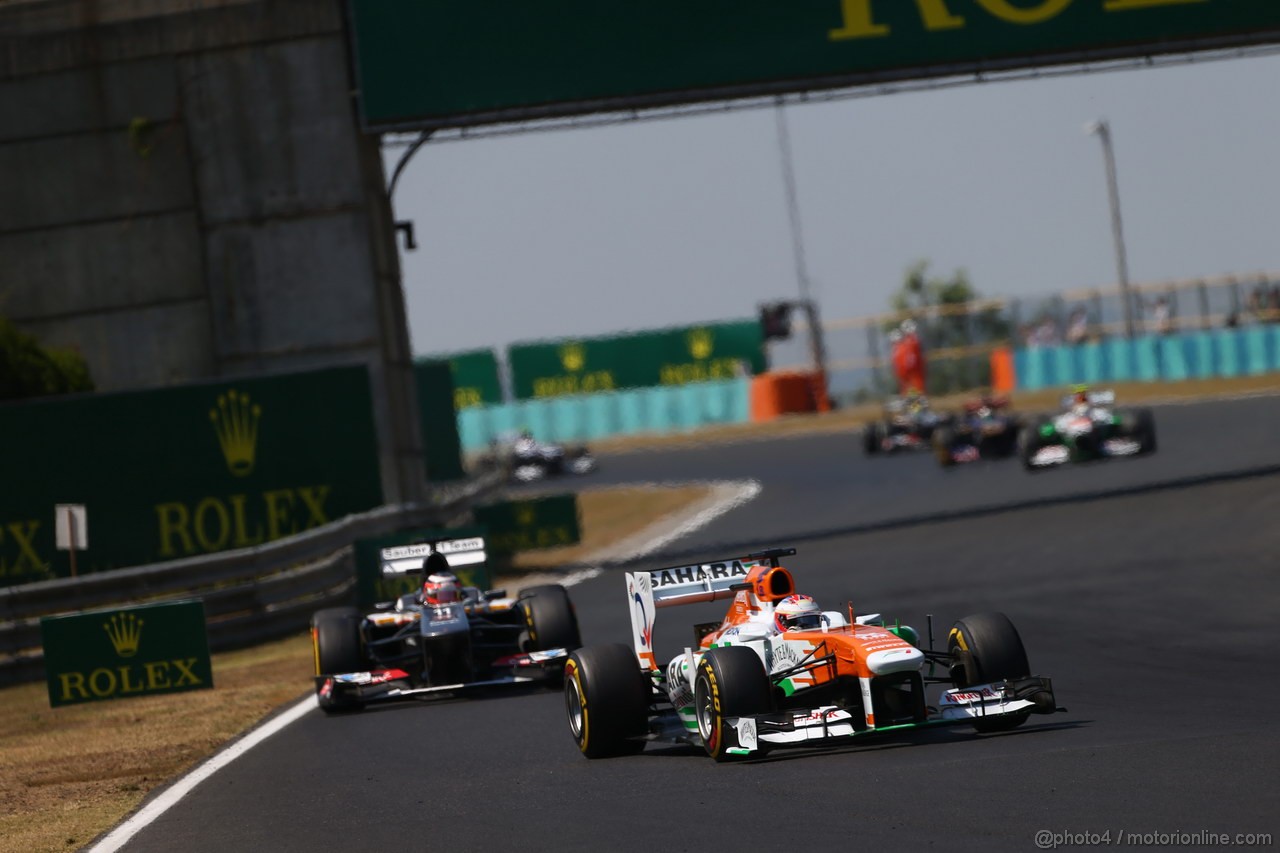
column 902, row 659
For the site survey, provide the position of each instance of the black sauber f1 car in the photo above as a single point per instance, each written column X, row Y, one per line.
column 908, row 424
column 414, row 647
column 984, row 430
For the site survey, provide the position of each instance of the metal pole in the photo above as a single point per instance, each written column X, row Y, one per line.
column 817, row 347
column 1103, row 130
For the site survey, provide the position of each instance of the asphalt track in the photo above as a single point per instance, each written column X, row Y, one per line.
column 1154, row 611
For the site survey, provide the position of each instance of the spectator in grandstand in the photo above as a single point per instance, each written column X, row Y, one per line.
column 1161, row 321
column 1078, row 327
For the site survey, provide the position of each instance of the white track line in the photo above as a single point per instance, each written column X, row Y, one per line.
column 168, row 798
column 727, row 496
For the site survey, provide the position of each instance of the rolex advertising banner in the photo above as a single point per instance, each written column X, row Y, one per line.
column 664, row 357
column 134, row 651
column 549, row 521
column 184, row 471
column 388, row 567
column 475, row 377
column 434, row 63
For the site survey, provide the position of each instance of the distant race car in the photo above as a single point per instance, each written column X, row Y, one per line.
column 986, row 429
column 525, row 459
column 780, row 672
column 447, row 638
column 908, row 424
column 1087, row 428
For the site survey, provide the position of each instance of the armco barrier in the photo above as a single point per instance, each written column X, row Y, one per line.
column 250, row 595
column 588, row 417
column 1247, row 351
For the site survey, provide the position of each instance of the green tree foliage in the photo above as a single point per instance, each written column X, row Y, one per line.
column 30, row 370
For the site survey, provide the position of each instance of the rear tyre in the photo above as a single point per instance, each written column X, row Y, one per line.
column 943, row 442
column 606, row 696
column 872, row 438
column 730, row 682
column 985, row 648
column 335, row 639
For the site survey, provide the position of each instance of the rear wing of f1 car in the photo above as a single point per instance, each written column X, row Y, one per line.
column 692, row 584
column 408, row 559
column 1096, row 398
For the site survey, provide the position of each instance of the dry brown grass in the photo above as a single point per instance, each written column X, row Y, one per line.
column 609, row 514
column 68, row 774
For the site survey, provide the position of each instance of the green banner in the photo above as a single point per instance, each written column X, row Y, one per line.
column 438, row 421
column 179, row 472
column 424, row 63
column 381, row 562
column 475, row 377
column 134, row 651
column 525, row 525
column 665, row 357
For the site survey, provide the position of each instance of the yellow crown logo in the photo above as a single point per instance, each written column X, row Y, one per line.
column 236, row 423
column 701, row 343
column 526, row 514
column 125, row 631
column 573, row 356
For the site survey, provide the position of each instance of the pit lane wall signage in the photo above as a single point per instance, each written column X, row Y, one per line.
column 184, row 471
column 475, row 377
column 134, row 651
column 665, row 357
column 550, row 521
column 384, row 563
column 434, row 63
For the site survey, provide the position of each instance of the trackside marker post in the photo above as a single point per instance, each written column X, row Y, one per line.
column 71, row 527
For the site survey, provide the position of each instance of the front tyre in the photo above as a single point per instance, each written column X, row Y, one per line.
column 335, row 641
column 1140, row 425
column 730, row 682
column 606, row 696
column 986, row 648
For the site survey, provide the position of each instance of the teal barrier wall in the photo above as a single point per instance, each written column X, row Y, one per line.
column 1249, row 351
column 588, row 417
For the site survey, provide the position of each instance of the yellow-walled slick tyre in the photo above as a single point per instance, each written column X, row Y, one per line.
column 607, row 699
column 986, row 648
column 730, row 682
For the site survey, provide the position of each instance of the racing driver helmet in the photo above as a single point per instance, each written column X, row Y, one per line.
column 441, row 588
column 797, row 613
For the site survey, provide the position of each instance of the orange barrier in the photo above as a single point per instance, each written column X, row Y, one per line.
column 777, row 394
column 1003, row 376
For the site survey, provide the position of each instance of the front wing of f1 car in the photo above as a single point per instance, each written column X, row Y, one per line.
column 362, row 688
column 824, row 724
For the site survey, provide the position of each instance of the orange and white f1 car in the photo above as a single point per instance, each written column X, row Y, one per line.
column 778, row 671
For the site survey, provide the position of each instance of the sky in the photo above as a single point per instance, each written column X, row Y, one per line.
column 647, row 224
